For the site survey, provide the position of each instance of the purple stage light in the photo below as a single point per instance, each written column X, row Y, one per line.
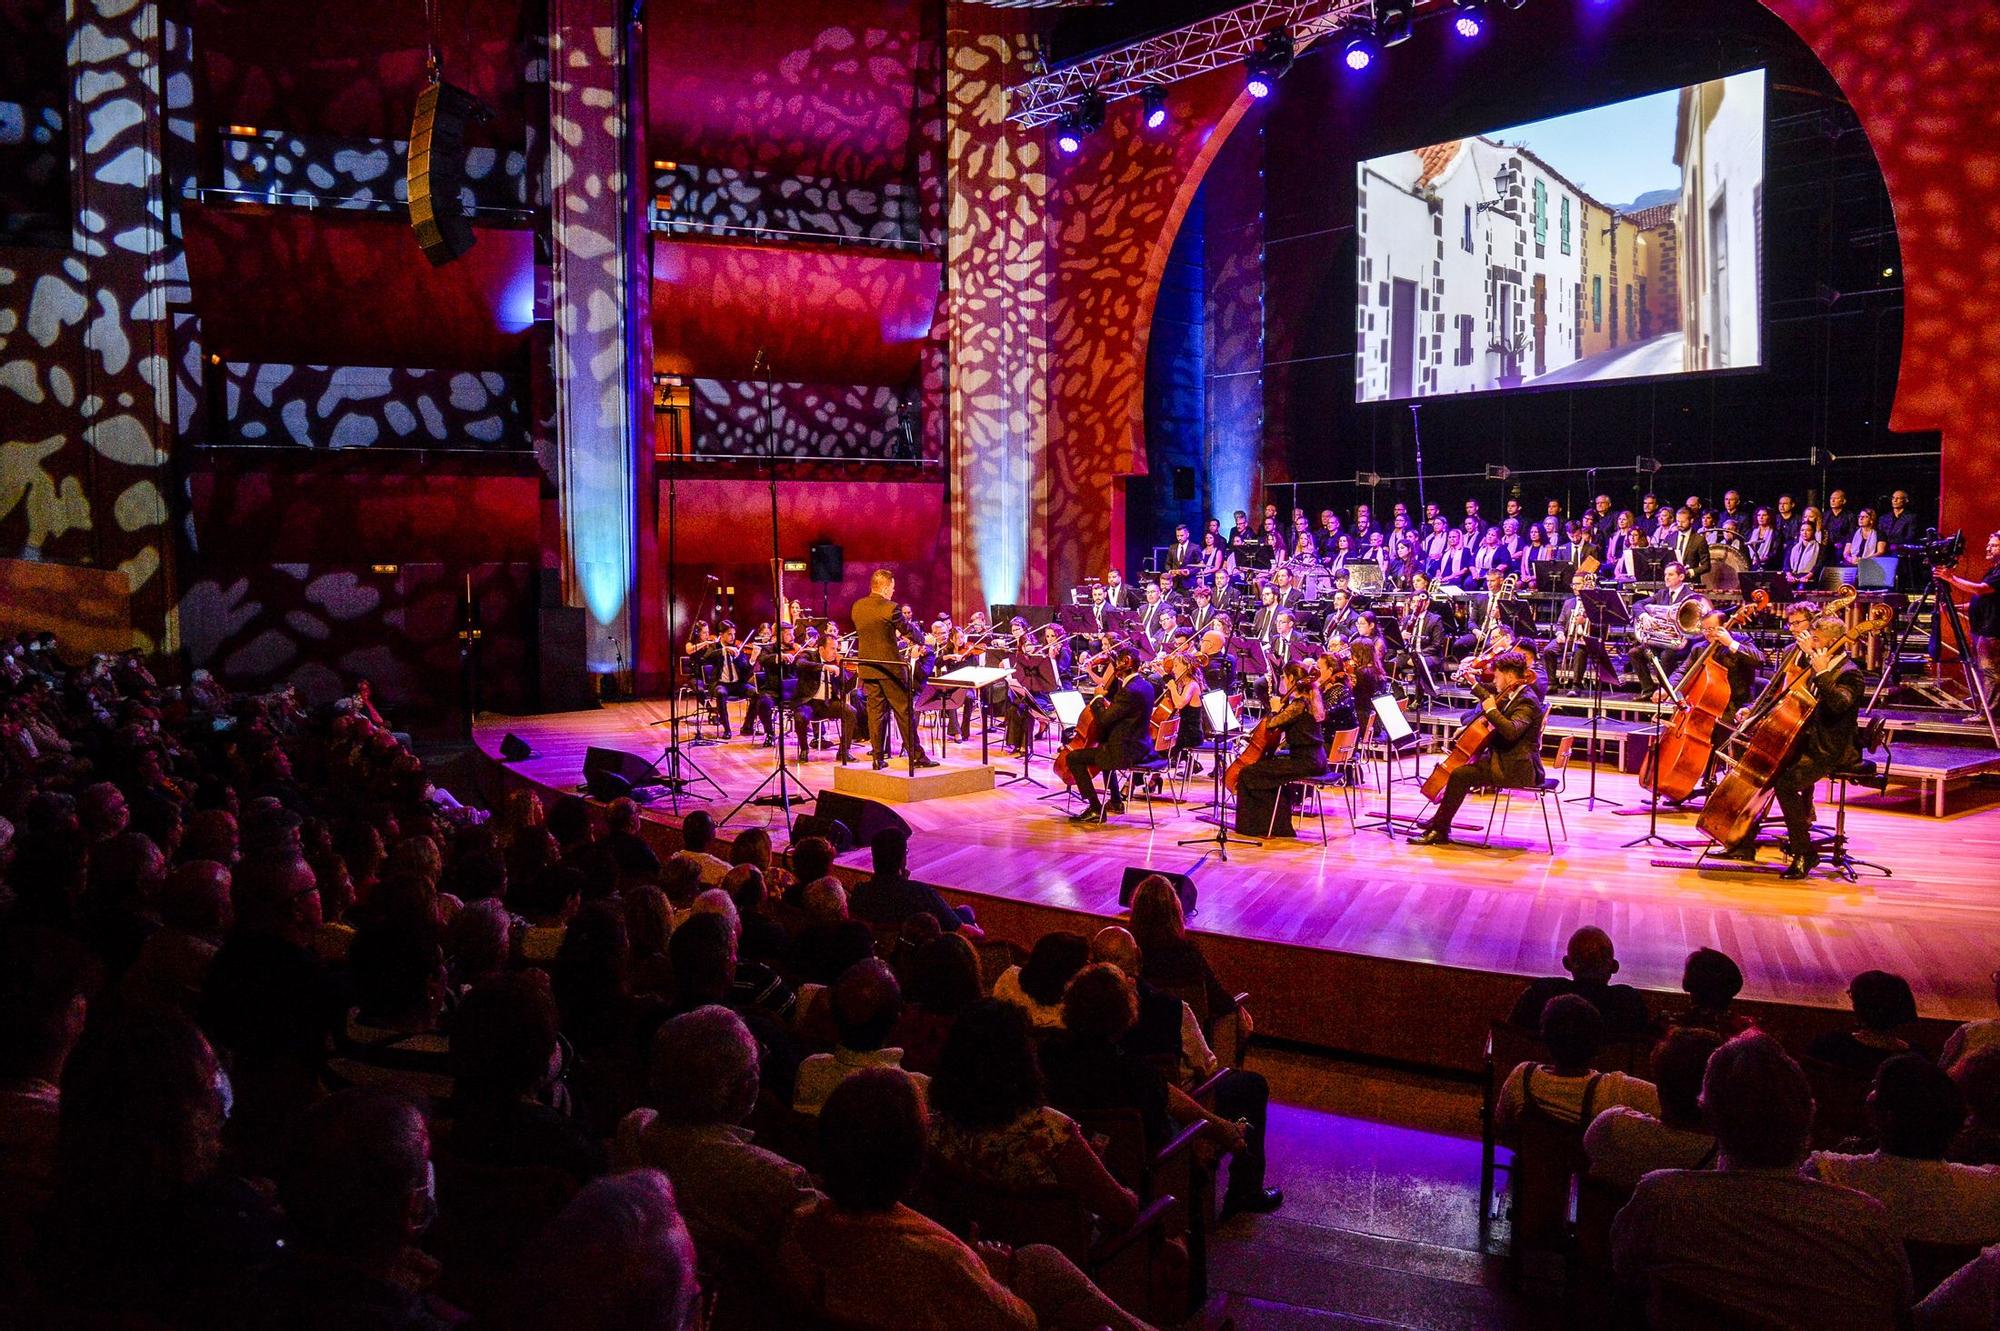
column 1468, row 26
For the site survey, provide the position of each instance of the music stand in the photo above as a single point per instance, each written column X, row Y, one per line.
column 1396, row 728
column 1219, row 719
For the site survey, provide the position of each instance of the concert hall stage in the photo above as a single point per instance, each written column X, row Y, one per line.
column 1337, row 942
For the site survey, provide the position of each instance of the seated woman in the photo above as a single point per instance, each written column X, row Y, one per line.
column 1264, row 800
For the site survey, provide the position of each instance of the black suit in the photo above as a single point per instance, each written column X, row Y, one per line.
column 1513, row 757
column 877, row 622
column 1124, row 738
column 1690, row 549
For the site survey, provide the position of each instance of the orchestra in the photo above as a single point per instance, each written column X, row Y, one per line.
column 1275, row 614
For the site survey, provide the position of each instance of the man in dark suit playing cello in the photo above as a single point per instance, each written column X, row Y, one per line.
column 877, row 622
column 1512, row 757
column 1124, row 741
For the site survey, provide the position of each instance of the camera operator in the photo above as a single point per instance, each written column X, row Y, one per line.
column 1982, row 615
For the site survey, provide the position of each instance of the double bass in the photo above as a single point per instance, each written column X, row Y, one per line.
column 1676, row 765
column 1740, row 800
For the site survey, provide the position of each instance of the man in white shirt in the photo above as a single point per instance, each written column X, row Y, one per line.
column 1917, row 1109
column 1753, row 1235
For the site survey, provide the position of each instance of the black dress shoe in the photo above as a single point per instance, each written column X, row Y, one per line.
column 1093, row 814
column 1432, row 836
column 1261, row 1202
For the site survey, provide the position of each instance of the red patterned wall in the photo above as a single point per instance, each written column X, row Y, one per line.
column 1924, row 76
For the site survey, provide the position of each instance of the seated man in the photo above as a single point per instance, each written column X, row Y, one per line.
column 863, row 1259
column 1512, row 757
column 891, row 896
column 1916, row 1110
column 1591, row 961
column 866, row 1003
column 736, row 1196
column 1752, row 1234
column 1125, row 739
column 1626, row 1144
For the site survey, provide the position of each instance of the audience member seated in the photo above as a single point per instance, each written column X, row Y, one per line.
column 1090, row 1070
column 762, row 938
column 505, row 1059
column 1625, row 1144
column 616, row 1258
column 1753, row 1235
column 195, row 915
column 867, row 1003
column 831, row 941
column 889, row 897
column 392, row 1039
column 1711, row 980
column 146, row 1226
column 1978, row 1142
column 1591, row 961
column 736, row 1196
column 863, row 1259
column 1973, row 1036
column 991, row 1118
column 358, row 1192
column 1916, row 1111
column 1883, row 1005
column 697, row 836
column 1567, row 1088
column 942, row 981
column 1036, row 986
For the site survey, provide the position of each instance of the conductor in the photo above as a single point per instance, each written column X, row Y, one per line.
column 878, row 620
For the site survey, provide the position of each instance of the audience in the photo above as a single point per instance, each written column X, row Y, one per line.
column 1916, row 1110
column 736, row 1196
column 867, row 1003
column 1883, row 1005
column 1753, row 1235
column 1591, row 961
column 1568, row 1088
column 861, row 1258
column 1625, row 1144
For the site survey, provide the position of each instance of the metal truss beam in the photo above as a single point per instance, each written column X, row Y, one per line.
column 1183, row 53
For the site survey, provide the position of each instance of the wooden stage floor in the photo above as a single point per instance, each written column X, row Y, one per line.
column 1505, row 911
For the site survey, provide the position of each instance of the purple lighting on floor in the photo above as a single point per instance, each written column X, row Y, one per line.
column 1468, row 26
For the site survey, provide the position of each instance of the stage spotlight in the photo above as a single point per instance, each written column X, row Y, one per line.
column 1269, row 63
column 1394, row 20
column 1153, row 100
column 1360, row 51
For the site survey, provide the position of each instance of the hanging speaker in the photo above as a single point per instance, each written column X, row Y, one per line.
column 437, row 171
column 828, row 562
column 513, row 748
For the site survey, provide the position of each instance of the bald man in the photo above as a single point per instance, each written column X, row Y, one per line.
column 1591, row 961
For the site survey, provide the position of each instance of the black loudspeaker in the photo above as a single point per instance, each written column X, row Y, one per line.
column 610, row 773
column 862, row 818
column 832, row 829
column 513, row 748
column 827, row 561
column 437, row 171
column 561, row 672
column 1183, row 886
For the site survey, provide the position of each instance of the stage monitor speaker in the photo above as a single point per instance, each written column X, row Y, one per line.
column 862, row 818
column 827, row 562
column 437, row 171
column 513, row 748
column 1183, row 886
column 835, row 831
column 610, row 773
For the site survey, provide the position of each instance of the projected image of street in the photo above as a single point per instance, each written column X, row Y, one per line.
column 1619, row 242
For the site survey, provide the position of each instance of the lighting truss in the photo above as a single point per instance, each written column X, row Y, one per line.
column 1214, row 43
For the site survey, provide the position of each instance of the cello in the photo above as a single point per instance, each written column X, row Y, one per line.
column 1740, row 800
column 1677, row 763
